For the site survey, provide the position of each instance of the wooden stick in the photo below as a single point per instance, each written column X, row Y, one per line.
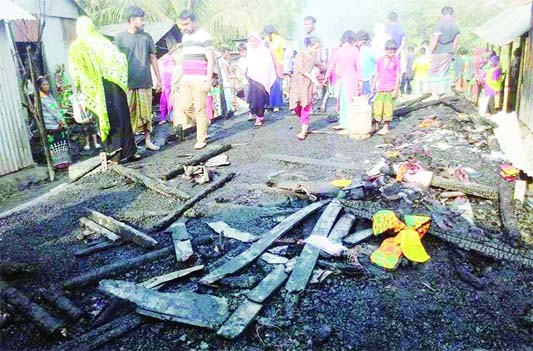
column 309, row 255
column 151, row 183
column 124, row 230
column 38, row 115
column 34, row 312
column 116, row 268
column 196, row 161
column 172, row 217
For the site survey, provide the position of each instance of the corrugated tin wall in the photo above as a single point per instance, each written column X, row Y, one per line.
column 526, row 100
column 15, row 150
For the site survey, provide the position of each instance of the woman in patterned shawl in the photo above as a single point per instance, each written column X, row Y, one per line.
column 100, row 72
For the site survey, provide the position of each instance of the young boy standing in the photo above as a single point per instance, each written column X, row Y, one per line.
column 387, row 84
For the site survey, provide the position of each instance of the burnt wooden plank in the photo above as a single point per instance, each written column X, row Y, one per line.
column 245, row 258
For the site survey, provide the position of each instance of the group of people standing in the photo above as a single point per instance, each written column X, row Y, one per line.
column 116, row 79
column 378, row 68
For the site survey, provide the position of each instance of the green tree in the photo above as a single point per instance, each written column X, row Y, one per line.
column 225, row 20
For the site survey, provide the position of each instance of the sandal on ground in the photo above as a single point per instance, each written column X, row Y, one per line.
column 301, row 136
column 258, row 123
column 383, row 131
column 339, row 127
column 200, row 145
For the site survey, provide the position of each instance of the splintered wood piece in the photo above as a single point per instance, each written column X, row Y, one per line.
column 156, row 282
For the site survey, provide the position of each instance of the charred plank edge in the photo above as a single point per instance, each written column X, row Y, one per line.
column 240, row 319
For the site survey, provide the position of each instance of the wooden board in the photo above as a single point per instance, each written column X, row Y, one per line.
column 342, row 228
column 199, row 310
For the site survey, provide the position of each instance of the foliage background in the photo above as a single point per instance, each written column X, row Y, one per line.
column 232, row 19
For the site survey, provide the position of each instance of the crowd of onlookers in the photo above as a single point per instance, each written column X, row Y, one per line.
column 114, row 82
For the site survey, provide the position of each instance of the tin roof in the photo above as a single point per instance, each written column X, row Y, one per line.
column 13, row 12
column 507, row 26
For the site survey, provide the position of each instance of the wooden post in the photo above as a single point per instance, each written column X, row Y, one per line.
column 507, row 87
column 523, row 44
column 38, row 114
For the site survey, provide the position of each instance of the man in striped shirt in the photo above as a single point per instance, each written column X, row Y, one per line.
column 198, row 59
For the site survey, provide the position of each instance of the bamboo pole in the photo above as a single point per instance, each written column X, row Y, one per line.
column 38, row 114
column 507, row 87
column 523, row 44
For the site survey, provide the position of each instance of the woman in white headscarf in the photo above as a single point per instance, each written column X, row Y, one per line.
column 261, row 75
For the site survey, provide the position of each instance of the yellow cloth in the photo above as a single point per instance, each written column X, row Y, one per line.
column 406, row 242
column 421, row 68
column 93, row 58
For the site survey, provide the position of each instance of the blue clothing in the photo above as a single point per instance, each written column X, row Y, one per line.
column 366, row 87
column 276, row 94
column 368, row 61
column 396, row 32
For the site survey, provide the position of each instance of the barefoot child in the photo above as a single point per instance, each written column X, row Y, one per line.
column 387, row 84
column 303, row 82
